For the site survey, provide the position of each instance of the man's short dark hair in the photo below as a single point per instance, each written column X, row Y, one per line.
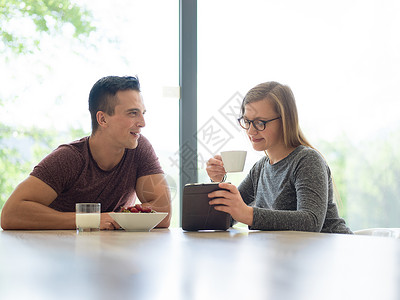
column 102, row 95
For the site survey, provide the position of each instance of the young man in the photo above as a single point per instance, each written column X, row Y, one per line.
column 110, row 167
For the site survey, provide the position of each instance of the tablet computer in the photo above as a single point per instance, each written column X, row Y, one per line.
column 197, row 213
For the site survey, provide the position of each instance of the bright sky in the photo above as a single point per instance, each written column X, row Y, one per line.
column 341, row 58
column 51, row 88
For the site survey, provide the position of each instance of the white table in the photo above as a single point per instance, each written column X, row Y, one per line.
column 173, row 264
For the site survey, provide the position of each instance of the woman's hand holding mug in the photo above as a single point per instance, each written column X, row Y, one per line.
column 215, row 168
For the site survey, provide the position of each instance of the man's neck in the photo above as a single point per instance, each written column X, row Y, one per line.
column 105, row 154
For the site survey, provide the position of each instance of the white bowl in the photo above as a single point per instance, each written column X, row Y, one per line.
column 138, row 221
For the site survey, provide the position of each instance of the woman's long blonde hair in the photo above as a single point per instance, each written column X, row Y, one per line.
column 285, row 105
column 283, row 99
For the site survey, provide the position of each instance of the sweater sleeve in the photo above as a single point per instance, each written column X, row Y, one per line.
column 246, row 190
column 310, row 179
column 248, row 186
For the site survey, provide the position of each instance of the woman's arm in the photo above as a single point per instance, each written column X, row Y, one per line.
column 229, row 200
column 308, row 190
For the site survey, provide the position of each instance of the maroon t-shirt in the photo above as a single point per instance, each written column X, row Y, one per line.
column 75, row 176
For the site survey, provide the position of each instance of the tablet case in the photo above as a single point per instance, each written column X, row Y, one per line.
column 197, row 213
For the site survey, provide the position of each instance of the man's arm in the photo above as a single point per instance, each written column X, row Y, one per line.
column 27, row 208
column 154, row 190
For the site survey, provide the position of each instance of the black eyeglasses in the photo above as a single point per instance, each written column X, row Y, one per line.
column 259, row 125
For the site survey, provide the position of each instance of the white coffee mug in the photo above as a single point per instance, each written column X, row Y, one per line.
column 233, row 160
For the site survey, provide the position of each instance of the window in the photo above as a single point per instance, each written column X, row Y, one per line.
column 341, row 59
column 48, row 90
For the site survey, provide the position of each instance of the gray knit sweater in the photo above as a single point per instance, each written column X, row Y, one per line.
column 293, row 194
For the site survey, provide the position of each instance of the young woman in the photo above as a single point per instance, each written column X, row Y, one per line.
column 291, row 187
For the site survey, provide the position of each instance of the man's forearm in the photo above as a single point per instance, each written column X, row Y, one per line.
column 161, row 206
column 32, row 215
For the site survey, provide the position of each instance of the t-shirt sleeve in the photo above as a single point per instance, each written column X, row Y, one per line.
column 59, row 169
column 147, row 159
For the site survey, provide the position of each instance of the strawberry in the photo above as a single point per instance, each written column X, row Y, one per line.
column 146, row 209
column 123, row 209
column 139, row 207
column 134, row 210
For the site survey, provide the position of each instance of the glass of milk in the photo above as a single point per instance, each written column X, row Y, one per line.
column 87, row 217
